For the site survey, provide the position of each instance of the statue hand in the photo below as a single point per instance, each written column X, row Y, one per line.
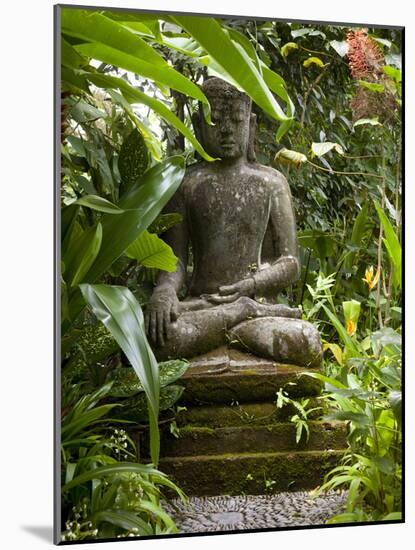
column 246, row 287
column 162, row 309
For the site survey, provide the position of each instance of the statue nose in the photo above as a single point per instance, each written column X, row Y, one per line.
column 226, row 126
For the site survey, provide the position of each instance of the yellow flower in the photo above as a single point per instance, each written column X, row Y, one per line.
column 351, row 328
column 369, row 279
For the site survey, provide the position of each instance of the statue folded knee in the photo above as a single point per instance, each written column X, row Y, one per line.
column 239, row 221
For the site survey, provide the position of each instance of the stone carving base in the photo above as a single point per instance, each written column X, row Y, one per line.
column 232, row 438
column 228, row 375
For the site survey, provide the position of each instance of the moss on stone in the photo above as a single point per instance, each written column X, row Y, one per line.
column 277, row 437
column 248, row 385
column 238, row 414
column 239, row 473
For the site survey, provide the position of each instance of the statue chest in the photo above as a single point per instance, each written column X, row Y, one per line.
column 228, row 205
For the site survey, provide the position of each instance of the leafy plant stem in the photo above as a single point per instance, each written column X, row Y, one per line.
column 380, row 253
column 308, row 92
column 369, row 174
column 321, row 53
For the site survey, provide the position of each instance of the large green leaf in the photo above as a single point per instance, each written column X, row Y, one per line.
column 151, row 140
column 247, row 45
column 236, row 62
column 126, row 384
column 358, row 232
column 141, row 204
column 95, row 202
column 134, row 95
column 110, row 470
column 68, row 217
column 392, row 245
column 273, row 80
column 120, row 312
column 163, row 74
column 134, row 409
column 82, row 251
column 133, row 160
column 96, row 27
column 70, row 57
column 184, row 45
column 151, row 251
column 145, row 23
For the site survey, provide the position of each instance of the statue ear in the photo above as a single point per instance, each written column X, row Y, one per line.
column 197, row 128
column 251, row 141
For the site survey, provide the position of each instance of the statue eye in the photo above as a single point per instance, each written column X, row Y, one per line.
column 238, row 116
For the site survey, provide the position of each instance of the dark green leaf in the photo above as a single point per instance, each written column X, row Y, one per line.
column 141, row 205
column 81, row 253
column 133, row 160
column 100, row 204
column 163, row 74
column 235, row 61
column 134, row 95
column 126, row 383
column 111, row 470
column 96, row 27
column 120, row 312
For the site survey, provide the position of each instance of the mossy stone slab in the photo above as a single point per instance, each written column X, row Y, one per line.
column 281, row 436
column 231, row 376
column 241, row 414
column 250, row 473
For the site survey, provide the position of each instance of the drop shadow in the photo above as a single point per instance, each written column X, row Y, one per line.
column 42, row 532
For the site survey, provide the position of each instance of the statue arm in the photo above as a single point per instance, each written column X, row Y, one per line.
column 163, row 307
column 285, row 270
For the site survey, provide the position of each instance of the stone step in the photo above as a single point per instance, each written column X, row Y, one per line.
column 229, row 376
column 240, row 414
column 250, row 473
column 201, row 440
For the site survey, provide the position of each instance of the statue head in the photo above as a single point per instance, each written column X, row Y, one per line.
column 231, row 135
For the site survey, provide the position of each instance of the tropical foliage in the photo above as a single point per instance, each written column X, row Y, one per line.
column 327, row 101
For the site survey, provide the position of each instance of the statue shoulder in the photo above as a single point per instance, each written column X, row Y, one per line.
column 276, row 180
column 192, row 173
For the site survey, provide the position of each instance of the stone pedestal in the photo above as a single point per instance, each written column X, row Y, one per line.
column 232, row 438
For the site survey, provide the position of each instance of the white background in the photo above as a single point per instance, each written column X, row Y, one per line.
column 26, row 252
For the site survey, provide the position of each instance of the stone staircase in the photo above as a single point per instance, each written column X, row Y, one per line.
column 232, row 438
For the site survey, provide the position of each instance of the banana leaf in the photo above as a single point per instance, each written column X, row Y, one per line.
column 120, row 312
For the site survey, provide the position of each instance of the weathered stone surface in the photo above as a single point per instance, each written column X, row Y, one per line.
column 197, row 440
column 290, row 340
column 229, row 376
column 250, row 473
column 223, row 513
column 238, row 220
column 241, row 414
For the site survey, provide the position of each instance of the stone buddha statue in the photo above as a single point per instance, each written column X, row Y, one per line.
column 239, row 229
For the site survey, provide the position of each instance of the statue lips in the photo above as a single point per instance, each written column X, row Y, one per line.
column 227, row 144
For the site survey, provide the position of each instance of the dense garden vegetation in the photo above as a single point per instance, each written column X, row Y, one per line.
column 328, row 103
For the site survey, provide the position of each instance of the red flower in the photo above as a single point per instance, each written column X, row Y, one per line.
column 365, row 56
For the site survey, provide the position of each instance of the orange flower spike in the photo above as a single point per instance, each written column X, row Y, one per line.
column 369, row 279
column 351, row 328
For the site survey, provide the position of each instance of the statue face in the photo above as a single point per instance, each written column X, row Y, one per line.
column 228, row 138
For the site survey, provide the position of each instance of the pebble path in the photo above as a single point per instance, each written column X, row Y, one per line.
column 223, row 513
